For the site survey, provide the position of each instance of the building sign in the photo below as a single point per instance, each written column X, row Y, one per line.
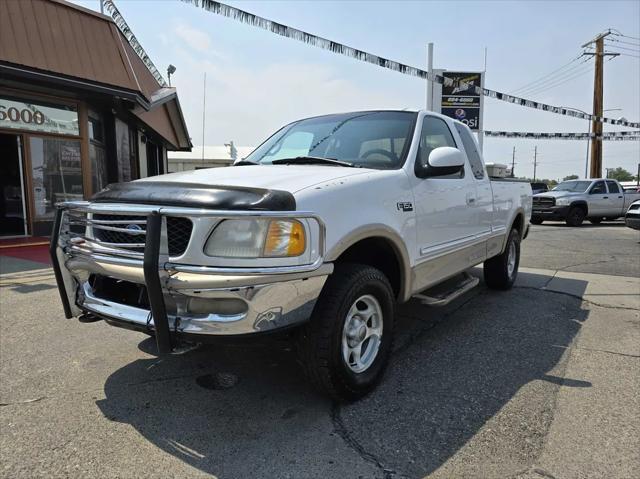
column 24, row 115
column 462, row 103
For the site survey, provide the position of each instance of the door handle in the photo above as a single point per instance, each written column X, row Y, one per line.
column 605, row 197
column 619, row 196
column 471, row 200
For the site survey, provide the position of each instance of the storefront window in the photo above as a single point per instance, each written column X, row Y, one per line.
column 125, row 151
column 17, row 114
column 97, row 153
column 57, row 174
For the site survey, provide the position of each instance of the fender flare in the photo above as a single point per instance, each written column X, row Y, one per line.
column 379, row 230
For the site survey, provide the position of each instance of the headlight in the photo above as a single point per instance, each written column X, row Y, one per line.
column 563, row 201
column 257, row 238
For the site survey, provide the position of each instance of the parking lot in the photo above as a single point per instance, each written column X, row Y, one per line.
column 542, row 381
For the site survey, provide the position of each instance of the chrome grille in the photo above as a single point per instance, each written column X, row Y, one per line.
column 130, row 232
column 543, row 201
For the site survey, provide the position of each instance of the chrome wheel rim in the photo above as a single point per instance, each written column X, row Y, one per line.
column 362, row 333
column 511, row 260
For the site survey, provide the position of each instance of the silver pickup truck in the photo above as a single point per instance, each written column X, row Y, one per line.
column 576, row 200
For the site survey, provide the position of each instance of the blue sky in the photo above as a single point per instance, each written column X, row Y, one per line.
column 257, row 81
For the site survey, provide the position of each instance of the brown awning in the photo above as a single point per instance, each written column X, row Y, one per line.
column 58, row 37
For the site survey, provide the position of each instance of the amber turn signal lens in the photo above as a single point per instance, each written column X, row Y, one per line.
column 285, row 238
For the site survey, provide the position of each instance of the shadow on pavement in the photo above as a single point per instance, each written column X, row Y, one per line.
column 586, row 224
column 245, row 410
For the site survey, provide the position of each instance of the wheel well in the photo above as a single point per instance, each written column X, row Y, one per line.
column 518, row 223
column 580, row 205
column 379, row 253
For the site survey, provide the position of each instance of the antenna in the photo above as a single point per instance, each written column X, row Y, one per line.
column 204, row 104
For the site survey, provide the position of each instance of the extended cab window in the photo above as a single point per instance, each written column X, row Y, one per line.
column 471, row 149
column 598, row 188
column 435, row 133
column 613, row 187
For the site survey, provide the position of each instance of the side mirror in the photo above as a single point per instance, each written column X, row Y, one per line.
column 442, row 161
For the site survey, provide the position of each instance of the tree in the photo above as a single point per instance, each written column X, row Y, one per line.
column 570, row 177
column 620, row 174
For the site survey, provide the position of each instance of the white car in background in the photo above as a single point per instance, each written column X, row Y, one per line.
column 632, row 217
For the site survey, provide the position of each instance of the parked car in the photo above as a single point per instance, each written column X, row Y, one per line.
column 539, row 188
column 576, row 200
column 632, row 217
column 324, row 227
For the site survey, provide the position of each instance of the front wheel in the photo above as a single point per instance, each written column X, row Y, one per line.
column 500, row 272
column 346, row 344
column 576, row 216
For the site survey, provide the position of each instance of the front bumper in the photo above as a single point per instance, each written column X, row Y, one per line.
column 632, row 221
column 183, row 301
column 551, row 212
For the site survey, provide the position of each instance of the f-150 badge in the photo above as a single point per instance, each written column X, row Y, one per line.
column 405, row 206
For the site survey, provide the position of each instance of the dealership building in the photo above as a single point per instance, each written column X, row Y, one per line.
column 81, row 106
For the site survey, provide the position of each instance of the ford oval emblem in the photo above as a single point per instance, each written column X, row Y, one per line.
column 134, row 227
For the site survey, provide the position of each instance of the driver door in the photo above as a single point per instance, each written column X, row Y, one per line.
column 446, row 212
column 598, row 199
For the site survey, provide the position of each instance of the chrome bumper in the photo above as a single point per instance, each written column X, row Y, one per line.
column 184, row 300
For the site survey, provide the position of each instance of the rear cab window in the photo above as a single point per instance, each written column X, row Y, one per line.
column 613, row 187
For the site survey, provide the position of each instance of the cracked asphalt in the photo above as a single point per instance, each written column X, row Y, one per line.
column 542, row 381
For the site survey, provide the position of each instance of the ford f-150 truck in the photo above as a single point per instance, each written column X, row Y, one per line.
column 322, row 229
column 573, row 201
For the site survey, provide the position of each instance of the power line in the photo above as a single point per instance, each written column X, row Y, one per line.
column 524, row 87
column 617, row 33
column 610, row 45
column 565, row 80
column 629, row 55
column 562, row 76
column 622, row 41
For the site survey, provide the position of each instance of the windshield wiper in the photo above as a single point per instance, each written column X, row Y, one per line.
column 245, row 163
column 313, row 160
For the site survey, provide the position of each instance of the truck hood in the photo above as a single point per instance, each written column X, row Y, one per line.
column 557, row 194
column 291, row 178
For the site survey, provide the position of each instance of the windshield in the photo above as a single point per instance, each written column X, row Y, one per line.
column 573, row 186
column 375, row 139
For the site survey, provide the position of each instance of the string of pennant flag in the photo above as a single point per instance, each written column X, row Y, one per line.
column 609, row 136
column 133, row 41
column 345, row 50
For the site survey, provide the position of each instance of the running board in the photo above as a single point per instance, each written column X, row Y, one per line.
column 439, row 296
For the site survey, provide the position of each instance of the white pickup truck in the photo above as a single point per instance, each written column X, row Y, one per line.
column 324, row 227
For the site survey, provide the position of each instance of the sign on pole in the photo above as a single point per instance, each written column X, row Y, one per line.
column 462, row 103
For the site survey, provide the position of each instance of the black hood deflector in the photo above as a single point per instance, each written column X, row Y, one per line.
column 195, row 195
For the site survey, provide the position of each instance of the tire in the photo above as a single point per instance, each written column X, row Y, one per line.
column 576, row 216
column 595, row 221
column 324, row 344
column 535, row 220
column 500, row 272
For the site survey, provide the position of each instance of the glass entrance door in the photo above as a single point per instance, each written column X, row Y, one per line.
column 13, row 217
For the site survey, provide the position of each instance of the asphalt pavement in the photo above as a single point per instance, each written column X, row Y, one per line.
column 542, row 381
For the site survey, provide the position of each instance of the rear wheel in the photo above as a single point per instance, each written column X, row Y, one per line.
column 595, row 221
column 345, row 346
column 576, row 216
column 500, row 272
column 536, row 220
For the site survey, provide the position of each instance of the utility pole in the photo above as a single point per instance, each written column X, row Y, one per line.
column 535, row 162
column 513, row 162
column 596, row 143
